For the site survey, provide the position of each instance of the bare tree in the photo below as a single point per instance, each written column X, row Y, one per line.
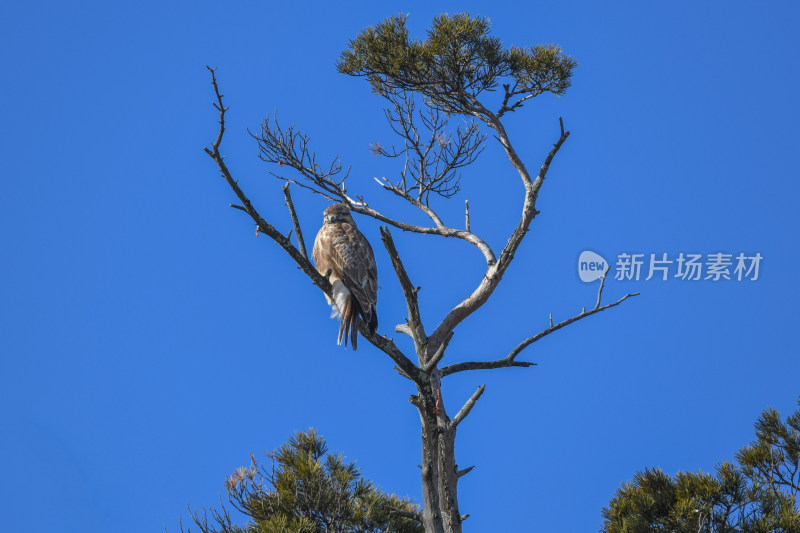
column 427, row 84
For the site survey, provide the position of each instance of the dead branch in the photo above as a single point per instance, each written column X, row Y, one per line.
column 527, row 342
column 263, row 226
column 510, row 359
column 431, row 159
column 599, row 292
column 483, row 365
column 444, row 231
column 360, row 206
column 464, row 411
column 415, row 328
column 288, row 147
column 494, row 272
column 465, row 471
column 381, row 342
column 298, row 233
column 436, row 357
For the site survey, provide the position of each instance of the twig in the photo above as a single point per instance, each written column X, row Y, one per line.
column 287, row 147
column 599, row 292
column 433, row 361
column 466, row 203
column 263, row 225
column 432, row 154
column 445, row 231
column 402, row 373
column 467, row 407
column 404, row 328
column 510, row 359
column 296, row 223
column 361, row 207
column 465, row 471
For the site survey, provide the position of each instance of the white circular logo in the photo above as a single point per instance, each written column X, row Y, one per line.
column 591, row 266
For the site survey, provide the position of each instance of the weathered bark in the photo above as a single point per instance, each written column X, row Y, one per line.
column 439, row 472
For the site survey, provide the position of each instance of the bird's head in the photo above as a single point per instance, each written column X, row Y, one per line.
column 338, row 213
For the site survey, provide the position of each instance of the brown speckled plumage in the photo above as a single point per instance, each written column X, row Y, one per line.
column 340, row 247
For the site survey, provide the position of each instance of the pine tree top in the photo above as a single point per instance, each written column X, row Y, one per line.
column 458, row 61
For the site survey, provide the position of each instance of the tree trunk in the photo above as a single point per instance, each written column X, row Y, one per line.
column 439, row 473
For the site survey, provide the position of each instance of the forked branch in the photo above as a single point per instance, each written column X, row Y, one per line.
column 381, row 342
column 440, row 158
column 263, row 226
column 495, row 271
column 289, row 147
column 432, row 153
column 511, row 359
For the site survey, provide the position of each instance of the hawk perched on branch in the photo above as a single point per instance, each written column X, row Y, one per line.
column 342, row 249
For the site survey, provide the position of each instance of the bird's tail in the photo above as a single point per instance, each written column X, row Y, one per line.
column 345, row 307
column 348, row 325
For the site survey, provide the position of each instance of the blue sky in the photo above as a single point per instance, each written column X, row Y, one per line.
column 150, row 342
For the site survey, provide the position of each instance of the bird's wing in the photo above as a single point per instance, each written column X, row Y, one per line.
column 353, row 257
column 320, row 251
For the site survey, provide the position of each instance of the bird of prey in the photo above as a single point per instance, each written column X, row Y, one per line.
column 342, row 249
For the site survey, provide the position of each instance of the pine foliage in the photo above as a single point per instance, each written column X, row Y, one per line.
column 757, row 495
column 305, row 489
column 458, row 61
